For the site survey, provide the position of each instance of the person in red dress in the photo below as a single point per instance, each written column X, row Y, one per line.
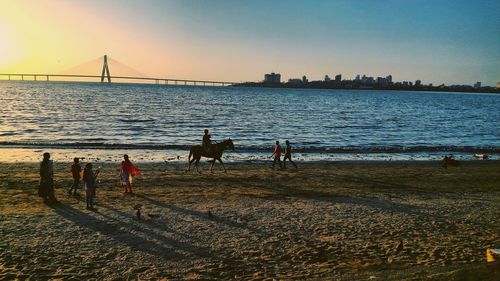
column 127, row 173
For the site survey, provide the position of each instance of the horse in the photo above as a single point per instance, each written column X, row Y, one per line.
column 216, row 151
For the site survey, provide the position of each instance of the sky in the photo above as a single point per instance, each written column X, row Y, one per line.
column 436, row 41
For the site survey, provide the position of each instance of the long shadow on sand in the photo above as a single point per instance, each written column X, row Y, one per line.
column 199, row 214
column 120, row 231
column 375, row 203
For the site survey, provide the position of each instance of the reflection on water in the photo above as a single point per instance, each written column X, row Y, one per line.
column 318, row 121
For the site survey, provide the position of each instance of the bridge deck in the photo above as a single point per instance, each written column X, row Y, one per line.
column 156, row 80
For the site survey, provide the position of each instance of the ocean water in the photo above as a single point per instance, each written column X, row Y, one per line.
column 321, row 124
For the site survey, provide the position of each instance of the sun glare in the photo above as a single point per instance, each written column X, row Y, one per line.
column 10, row 49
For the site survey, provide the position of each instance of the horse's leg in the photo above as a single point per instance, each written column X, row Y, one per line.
column 212, row 166
column 190, row 162
column 222, row 165
column 189, row 159
column 196, row 165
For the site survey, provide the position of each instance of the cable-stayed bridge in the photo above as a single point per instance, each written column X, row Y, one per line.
column 123, row 72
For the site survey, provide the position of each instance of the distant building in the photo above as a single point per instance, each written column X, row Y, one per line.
column 389, row 79
column 295, row 81
column 272, row 78
column 304, row 79
column 382, row 81
column 418, row 83
column 338, row 78
column 327, row 78
column 367, row 80
column 357, row 78
column 477, row 85
column 498, row 85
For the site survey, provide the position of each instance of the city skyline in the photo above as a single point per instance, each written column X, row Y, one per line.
column 450, row 42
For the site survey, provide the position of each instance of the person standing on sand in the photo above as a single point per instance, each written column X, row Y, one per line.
column 90, row 184
column 46, row 187
column 127, row 172
column 277, row 154
column 75, row 172
column 288, row 155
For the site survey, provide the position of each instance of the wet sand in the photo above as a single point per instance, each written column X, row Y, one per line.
column 336, row 220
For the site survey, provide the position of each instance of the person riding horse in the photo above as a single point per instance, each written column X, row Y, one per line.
column 206, row 142
column 215, row 152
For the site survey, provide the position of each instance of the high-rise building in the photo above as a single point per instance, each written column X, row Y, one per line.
column 418, row 83
column 304, row 79
column 477, row 85
column 272, row 78
column 327, row 78
column 498, row 85
column 357, row 78
column 338, row 78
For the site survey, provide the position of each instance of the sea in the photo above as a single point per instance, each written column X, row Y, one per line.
column 101, row 122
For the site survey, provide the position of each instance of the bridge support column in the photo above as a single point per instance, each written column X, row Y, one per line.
column 157, row 81
column 47, row 78
column 105, row 69
column 35, row 77
column 185, row 82
column 9, row 77
column 22, row 77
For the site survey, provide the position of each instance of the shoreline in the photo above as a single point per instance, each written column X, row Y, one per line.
column 13, row 155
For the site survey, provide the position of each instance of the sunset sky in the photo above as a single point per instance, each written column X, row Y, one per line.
column 443, row 41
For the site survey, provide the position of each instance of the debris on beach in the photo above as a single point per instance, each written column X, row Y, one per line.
column 151, row 215
column 491, row 254
column 481, row 156
column 449, row 161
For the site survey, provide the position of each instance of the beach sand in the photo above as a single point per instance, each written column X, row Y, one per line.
column 324, row 221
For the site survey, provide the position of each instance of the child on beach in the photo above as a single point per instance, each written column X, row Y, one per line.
column 288, row 155
column 90, row 184
column 277, row 154
column 75, row 172
column 127, row 172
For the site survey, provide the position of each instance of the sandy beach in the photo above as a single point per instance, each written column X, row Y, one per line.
column 324, row 221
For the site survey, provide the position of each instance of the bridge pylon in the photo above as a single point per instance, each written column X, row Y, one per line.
column 105, row 69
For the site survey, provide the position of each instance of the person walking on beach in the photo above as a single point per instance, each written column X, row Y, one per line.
column 277, row 154
column 288, row 155
column 75, row 172
column 127, row 172
column 206, row 142
column 90, row 184
column 46, row 187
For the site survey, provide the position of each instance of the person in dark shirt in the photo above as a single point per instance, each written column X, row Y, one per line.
column 90, row 184
column 75, row 172
column 288, row 155
column 206, row 142
column 46, row 187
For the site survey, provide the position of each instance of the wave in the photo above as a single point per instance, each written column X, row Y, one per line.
column 297, row 149
column 136, row 120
